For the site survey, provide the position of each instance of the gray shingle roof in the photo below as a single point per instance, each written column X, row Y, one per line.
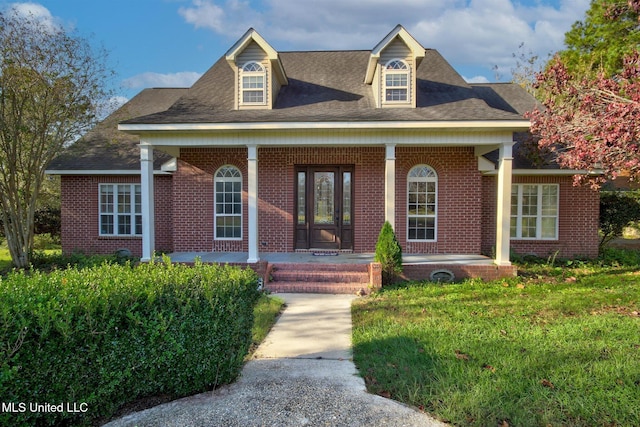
column 107, row 148
column 324, row 86
column 329, row 86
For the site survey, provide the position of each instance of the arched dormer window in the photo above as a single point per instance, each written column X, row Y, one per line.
column 422, row 203
column 396, row 82
column 228, row 203
column 253, row 84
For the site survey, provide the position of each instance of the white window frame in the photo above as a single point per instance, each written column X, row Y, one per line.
column 253, row 73
column 391, row 69
column 224, row 175
column 116, row 211
column 422, row 174
column 518, row 214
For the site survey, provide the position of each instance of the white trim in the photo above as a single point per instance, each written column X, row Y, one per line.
column 435, row 180
column 148, row 208
column 217, row 179
column 115, row 213
column 538, row 217
column 252, row 196
column 542, row 172
column 390, row 185
column 511, row 125
column 503, row 205
column 101, row 172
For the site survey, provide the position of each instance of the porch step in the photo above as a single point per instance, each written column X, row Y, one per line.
column 319, row 278
column 318, row 287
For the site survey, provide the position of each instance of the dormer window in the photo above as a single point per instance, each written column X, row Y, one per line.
column 253, row 84
column 396, row 80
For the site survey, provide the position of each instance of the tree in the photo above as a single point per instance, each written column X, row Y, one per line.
column 591, row 115
column 50, row 82
column 617, row 211
column 591, row 124
column 608, row 34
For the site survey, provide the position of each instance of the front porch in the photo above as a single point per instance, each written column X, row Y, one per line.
column 347, row 272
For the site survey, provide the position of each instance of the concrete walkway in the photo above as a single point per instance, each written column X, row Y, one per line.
column 301, row 375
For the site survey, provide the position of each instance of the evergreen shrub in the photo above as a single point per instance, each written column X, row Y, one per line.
column 388, row 254
column 102, row 336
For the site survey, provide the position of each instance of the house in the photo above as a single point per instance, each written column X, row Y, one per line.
column 285, row 152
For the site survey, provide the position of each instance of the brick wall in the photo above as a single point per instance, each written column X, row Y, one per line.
column 466, row 203
column 193, row 192
column 577, row 222
column 459, row 208
column 194, row 199
column 80, row 199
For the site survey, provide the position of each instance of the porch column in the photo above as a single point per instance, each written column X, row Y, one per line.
column 503, row 211
column 252, row 190
column 148, row 211
column 390, row 185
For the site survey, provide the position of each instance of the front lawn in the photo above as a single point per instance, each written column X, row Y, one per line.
column 559, row 345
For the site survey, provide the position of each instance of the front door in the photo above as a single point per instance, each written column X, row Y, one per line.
column 324, row 207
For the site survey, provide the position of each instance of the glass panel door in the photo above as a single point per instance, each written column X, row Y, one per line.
column 324, row 197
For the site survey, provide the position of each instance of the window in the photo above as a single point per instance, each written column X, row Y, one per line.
column 534, row 211
column 228, row 205
column 396, row 81
column 120, row 210
column 422, row 196
column 253, row 84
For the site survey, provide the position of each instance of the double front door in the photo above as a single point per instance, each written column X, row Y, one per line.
column 324, row 207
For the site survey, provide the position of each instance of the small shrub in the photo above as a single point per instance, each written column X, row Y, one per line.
column 388, row 254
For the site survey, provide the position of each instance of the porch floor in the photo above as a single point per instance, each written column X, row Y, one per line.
column 329, row 258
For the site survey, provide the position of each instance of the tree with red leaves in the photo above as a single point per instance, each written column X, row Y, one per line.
column 591, row 115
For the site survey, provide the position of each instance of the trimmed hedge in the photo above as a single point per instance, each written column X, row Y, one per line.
column 99, row 337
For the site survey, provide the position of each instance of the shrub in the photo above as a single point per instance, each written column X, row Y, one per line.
column 388, row 254
column 617, row 211
column 106, row 335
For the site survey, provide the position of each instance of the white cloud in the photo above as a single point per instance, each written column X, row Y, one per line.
column 481, row 33
column 476, row 79
column 149, row 79
column 36, row 11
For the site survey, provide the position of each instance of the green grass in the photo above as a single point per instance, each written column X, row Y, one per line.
column 265, row 314
column 558, row 346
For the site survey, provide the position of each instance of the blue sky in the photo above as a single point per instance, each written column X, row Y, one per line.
column 159, row 43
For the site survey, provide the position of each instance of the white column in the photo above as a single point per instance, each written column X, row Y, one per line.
column 390, row 185
column 148, row 217
column 503, row 211
column 252, row 190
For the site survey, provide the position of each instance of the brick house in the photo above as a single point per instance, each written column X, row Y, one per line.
column 293, row 151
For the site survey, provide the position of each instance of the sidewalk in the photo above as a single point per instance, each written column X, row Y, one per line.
column 301, row 375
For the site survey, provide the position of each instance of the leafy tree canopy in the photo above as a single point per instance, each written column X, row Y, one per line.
column 608, row 34
column 591, row 97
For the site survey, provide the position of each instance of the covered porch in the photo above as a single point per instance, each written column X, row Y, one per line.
column 347, row 272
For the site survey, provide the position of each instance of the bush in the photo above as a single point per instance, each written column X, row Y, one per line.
column 388, row 254
column 107, row 335
column 617, row 211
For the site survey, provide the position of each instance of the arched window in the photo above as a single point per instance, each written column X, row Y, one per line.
column 253, row 83
column 396, row 81
column 228, row 203
column 422, row 203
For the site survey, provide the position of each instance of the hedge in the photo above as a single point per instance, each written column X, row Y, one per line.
column 96, row 338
